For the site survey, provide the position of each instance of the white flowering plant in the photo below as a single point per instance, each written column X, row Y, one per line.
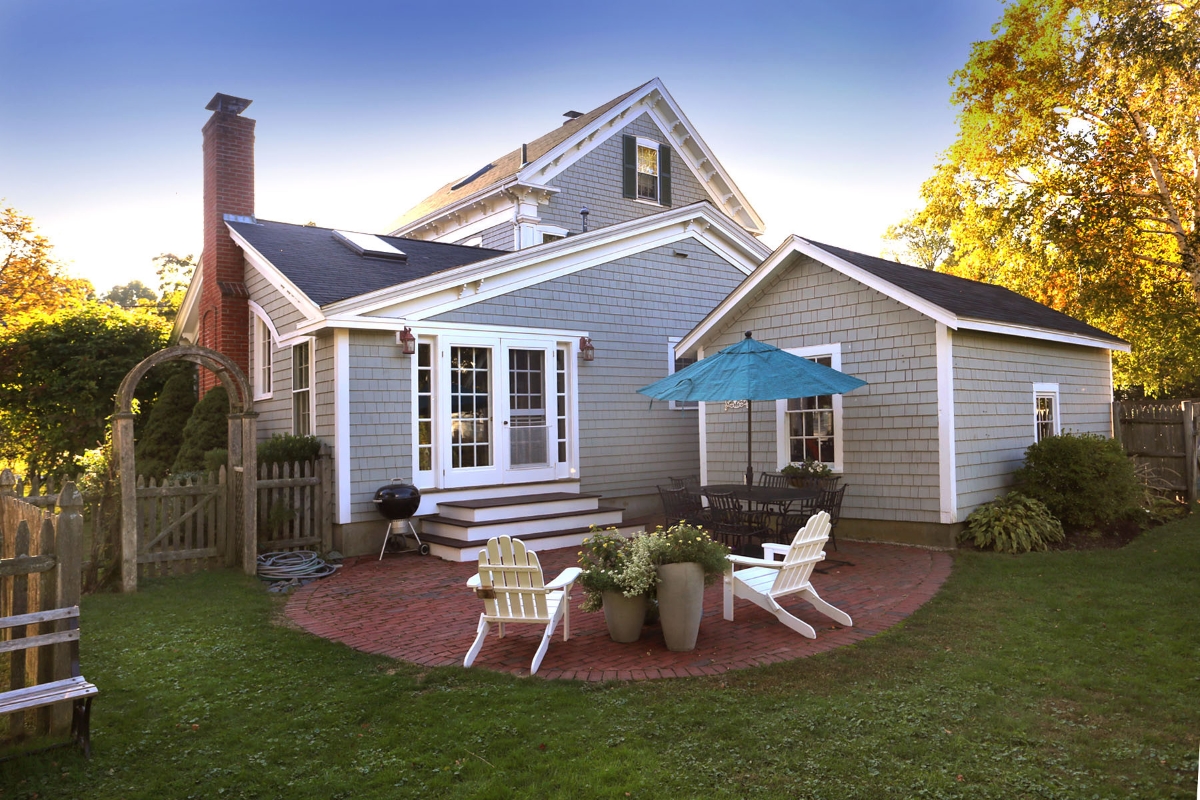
column 683, row 543
column 613, row 563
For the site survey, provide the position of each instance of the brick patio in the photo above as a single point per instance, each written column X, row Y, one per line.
column 417, row 609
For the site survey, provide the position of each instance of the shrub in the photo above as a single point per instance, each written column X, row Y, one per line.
column 1012, row 524
column 288, row 448
column 1085, row 480
column 159, row 440
column 207, row 429
column 215, row 459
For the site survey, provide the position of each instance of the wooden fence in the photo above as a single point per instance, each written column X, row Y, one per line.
column 295, row 506
column 183, row 526
column 41, row 558
column 1164, row 438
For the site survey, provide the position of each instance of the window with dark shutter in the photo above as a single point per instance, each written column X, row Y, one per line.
column 664, row 174
column 629, row 166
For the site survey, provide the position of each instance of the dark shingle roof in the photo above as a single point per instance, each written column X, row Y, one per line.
column 506, row 165
column 328, row 271
column 967, row 298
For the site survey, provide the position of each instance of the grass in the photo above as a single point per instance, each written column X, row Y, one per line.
column 1048, row 675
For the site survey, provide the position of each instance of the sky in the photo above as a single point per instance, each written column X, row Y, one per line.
column 828, row 115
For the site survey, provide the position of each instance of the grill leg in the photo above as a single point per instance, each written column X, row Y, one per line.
column 386, row 537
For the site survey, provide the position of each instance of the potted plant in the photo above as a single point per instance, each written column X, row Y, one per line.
column 618, row 578
column 808, row 473
column 686, row 559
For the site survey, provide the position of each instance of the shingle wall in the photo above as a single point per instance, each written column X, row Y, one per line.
column 629, row 307
column 994, row 406
column 500, row 237
column 890, row 427
column 275, row 413
column 595, row 181
column 380, row 439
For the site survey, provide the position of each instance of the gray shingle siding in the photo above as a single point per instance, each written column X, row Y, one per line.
column 380, row 436
column 595, row 181
column 994, row 409
column 629, row 307
column 889, row 428
column 274, row 413
column 500, row 237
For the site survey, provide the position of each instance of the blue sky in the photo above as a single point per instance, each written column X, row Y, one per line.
column 828, row 115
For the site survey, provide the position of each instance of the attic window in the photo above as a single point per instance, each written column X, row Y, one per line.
column 647, row 168
column 470, row 178
column 369, row 245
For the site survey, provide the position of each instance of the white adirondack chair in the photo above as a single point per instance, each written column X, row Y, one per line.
column 765, row 580
column 512, row 589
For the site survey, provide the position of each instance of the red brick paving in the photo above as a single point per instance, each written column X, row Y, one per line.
column 418, row 609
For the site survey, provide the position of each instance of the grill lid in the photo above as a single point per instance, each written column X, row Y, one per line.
column 397, row 500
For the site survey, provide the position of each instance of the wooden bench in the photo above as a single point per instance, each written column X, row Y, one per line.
column 74, row 688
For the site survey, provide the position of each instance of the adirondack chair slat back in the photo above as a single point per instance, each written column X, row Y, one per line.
column 515, row 576
column 800, row 559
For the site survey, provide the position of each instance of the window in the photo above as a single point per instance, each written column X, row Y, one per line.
column 646, row 170
column 262, row 357
column 302, row 389
column 544, row 234
column 424, row 407
column 811, row 427
column 674, row 365
column 1045, row 411
column 473, row 241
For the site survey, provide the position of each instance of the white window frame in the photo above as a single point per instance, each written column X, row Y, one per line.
column 650, row 144
column 473, row 241
column 782, row 445
column 312, row 353
column 677, row 405
column 1049, row 390
column 264, row 360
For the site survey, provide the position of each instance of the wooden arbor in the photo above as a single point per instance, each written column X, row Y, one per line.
column 243, row 454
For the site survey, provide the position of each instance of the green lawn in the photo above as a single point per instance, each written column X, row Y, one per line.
column 1056, row 675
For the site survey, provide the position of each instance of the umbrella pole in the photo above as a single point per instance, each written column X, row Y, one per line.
column 749, row 442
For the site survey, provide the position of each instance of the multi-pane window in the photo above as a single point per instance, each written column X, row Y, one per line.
column 647, row 172
column 1045, row 407
column 527, row 407
column 470, row 409
column 809, row 424
column 424, row 406
column 262, row 351
column 560, row 393
column 301, row 389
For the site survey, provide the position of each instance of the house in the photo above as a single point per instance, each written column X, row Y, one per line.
column 962, row 377
column 488, row 348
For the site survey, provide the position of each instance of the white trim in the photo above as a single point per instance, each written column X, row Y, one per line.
column 341, row 424
column 782, row 443
column 262, row 320
column 782, row 258
column 703, row 423
column 553, row 230
column 1047, row 390
column 947, row 447
column 263, row 266
column 424, row 479
column 649, row 144
column 311, row 388
column 501, row 217
column 676, row 405
column 187, row 318
column 434, row 326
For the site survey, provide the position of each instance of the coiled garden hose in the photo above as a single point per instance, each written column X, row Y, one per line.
column 295, row 568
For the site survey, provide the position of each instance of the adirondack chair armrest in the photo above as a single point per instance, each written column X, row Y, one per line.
column 473, row 581
column 747, row 561
column 565, row 578
column 772, row 550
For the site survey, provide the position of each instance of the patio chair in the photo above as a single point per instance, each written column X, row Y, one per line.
column 510, row 584
column 764, row 581
column 830, row 502
column 680, row 505
column 732, row 524
column 689, row 482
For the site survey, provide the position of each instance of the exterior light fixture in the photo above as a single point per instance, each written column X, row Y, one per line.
column 407, row 341
column 587, row 350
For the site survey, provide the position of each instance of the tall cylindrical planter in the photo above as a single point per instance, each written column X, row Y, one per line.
column 680, row 603
column 624, row 616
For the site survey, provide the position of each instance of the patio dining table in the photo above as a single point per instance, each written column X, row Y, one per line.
column 765, row 495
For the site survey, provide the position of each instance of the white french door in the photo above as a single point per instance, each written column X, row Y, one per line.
column 528, row 427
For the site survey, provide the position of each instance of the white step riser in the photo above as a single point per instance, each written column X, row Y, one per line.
column 471, row 552
column 531, row 509
column 481, row 533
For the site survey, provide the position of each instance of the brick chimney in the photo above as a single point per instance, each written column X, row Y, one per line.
column 228, row 193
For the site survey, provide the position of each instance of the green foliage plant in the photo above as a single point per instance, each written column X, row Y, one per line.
column 808, row 468
column 1085, row 480
column 206, row 429
column 215, row 459
column 1012, row 524
column 288, row 448
column 684, row 543
column 612, row 563
column 160, row 438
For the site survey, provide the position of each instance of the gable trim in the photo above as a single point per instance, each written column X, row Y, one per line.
column 292, row 293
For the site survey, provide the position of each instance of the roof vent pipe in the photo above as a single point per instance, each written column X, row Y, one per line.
column 583, row 212
column 524, row 154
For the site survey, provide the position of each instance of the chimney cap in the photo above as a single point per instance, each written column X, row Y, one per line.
column 228, row 103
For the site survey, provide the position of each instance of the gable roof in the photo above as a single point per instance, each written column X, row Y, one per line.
column 326, row 271
column 549, row 154
column 957, row 302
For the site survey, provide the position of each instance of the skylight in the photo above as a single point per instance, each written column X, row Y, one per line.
column 366, row 244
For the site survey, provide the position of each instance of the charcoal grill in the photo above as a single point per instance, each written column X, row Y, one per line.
column 398, row 502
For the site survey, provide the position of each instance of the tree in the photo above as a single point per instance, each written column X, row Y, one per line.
column 207, row 429
column 1075, row 179
column 59, row 377
column 159, row 439
column 131, row 295
column 174, row 273
column 30, row 279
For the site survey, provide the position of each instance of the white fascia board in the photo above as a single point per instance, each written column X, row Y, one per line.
column 513, row 187
column 653, row 93
column 432, row 327
column 187, row 319
column 299, row 300
column 482, row 224
column 482, row 280
column 1041, row 333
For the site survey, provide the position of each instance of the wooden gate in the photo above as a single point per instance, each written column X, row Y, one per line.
column 183, row 527
column 1162, row 437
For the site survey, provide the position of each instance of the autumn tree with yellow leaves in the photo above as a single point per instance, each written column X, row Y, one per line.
column 30, row 278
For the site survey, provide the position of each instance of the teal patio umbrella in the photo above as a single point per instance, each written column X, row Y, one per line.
column 751, row 370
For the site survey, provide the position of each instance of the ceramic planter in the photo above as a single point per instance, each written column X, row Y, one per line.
column 680, row 603
column 624, row 616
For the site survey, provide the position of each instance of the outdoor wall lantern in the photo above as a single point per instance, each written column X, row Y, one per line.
column 587, row 350
column 407, row 341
